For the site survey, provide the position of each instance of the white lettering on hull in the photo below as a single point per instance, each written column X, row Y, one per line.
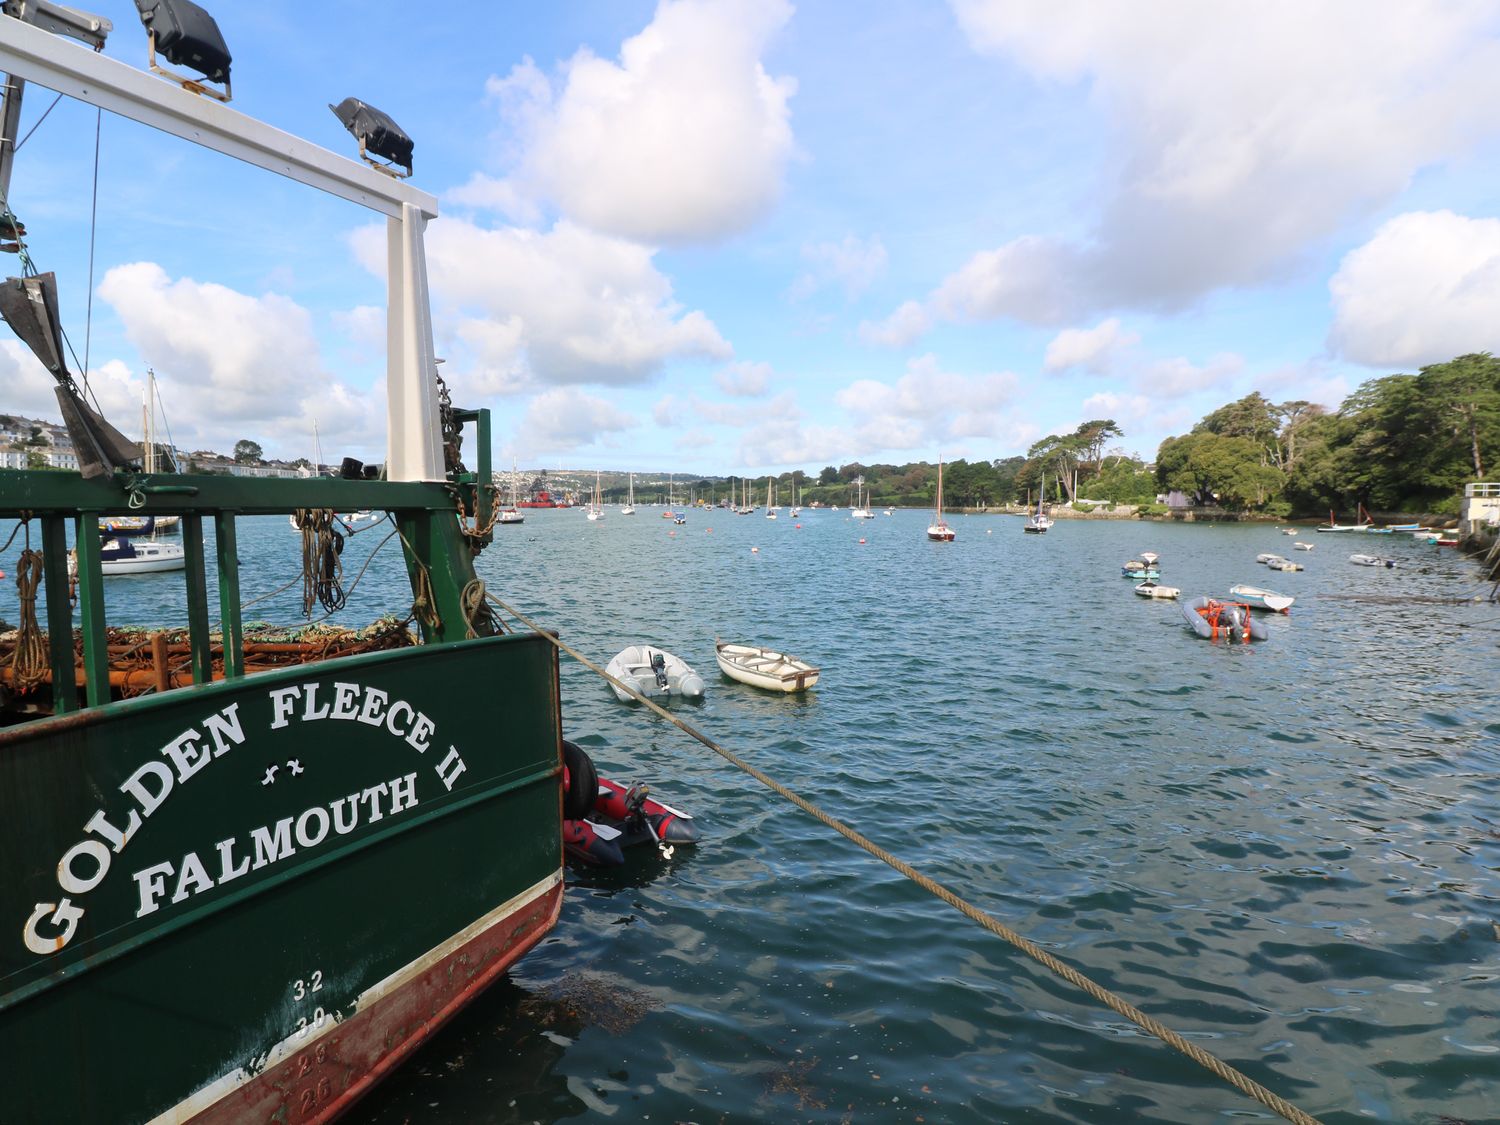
column 86, row 863
column 273, row 843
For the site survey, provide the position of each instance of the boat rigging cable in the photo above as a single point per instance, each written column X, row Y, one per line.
column 1242, row 1082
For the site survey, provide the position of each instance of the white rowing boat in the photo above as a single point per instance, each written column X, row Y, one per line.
column 762, row 668
column 1156, row 590
column 1262, row 599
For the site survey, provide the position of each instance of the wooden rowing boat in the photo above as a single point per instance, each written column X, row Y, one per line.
column 762, row 668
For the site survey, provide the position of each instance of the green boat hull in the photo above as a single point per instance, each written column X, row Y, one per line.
column 248, row 900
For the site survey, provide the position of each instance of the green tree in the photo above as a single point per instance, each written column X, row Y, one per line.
column 247, row 452
column 1210, row 467
column 1465, row 394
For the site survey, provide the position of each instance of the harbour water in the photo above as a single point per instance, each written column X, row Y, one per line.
column 1289, row 852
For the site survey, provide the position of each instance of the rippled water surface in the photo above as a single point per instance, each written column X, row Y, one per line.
column 1287, row 852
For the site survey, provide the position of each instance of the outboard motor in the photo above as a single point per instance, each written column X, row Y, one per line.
column 659, row 666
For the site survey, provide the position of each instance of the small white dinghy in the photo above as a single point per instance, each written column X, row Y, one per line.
column 762, row 668
column 1156, row 590
column 1301, row 546
column 1262, row 599
column 1285, row 564
column 1371, row 560
column 654, row 672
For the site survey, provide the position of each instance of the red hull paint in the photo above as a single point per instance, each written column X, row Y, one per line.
column 320, row 1083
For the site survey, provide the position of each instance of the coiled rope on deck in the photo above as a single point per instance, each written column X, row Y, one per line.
column 1240, row 1081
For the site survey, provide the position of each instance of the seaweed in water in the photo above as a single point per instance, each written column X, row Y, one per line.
column 601, row 1002
column 793, row 1079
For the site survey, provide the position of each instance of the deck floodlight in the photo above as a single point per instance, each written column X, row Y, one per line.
column 187, row 36
column 377, row 134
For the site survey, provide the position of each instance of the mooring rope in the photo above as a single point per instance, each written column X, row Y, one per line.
column 1212, row 1063
column 28, row 662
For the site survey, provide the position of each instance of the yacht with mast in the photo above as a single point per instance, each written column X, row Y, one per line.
column 939, row 530
column 861, row 509
column 596, row 504
column 511, row 513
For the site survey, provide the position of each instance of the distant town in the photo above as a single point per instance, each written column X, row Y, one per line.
column 40, row 443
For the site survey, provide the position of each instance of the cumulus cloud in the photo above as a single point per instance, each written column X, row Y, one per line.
column 695, row 439
column 667, row 412
column 29, row 388
column 233, row 365
column 683, row 138
column 744, row 380
column 1309, row 381
column 902, row 328
column 1424, row 289
column 1181, row 376
column 791, row 441
column 1032, row 279
column 1126, row 409
column 565, row 418
column 563, row 306
column 853, row 265
column 1243, row 136
column 1091, row 349
column 926, row 405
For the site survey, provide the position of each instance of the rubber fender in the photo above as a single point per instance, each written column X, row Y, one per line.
column 582, row 784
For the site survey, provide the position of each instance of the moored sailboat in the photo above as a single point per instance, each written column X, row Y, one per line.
column 596, row 504
column 938, row 530
column 511, row 513
column 861, row 509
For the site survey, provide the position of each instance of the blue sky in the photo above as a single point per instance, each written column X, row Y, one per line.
column 748, row 235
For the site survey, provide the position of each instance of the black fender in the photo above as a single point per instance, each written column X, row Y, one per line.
column 582, row 782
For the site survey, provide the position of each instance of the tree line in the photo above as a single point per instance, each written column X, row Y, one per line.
column 1399, row 443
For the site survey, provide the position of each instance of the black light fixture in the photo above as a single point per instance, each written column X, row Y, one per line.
column 187, row 36
column 377, row 134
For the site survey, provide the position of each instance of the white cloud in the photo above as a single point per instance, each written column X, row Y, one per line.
column 853, row 264
column 1180, row 376
column 1127, row 410
column 903, row 327
column 1423, row 290
column 1244, row 135
column 1031, row 279
column 792, row 442
column 695, row 439
column 926, row 405
column 781, row 406
column 1092, row 349
column 744, row 380
column 505, row 197
column 232, row 366
column 566, row 419
column 684, row 138
column 29, row 388
column 556, row 307
column 667, row 412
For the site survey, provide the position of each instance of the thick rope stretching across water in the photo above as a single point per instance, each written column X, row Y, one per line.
column 1212, row 1063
